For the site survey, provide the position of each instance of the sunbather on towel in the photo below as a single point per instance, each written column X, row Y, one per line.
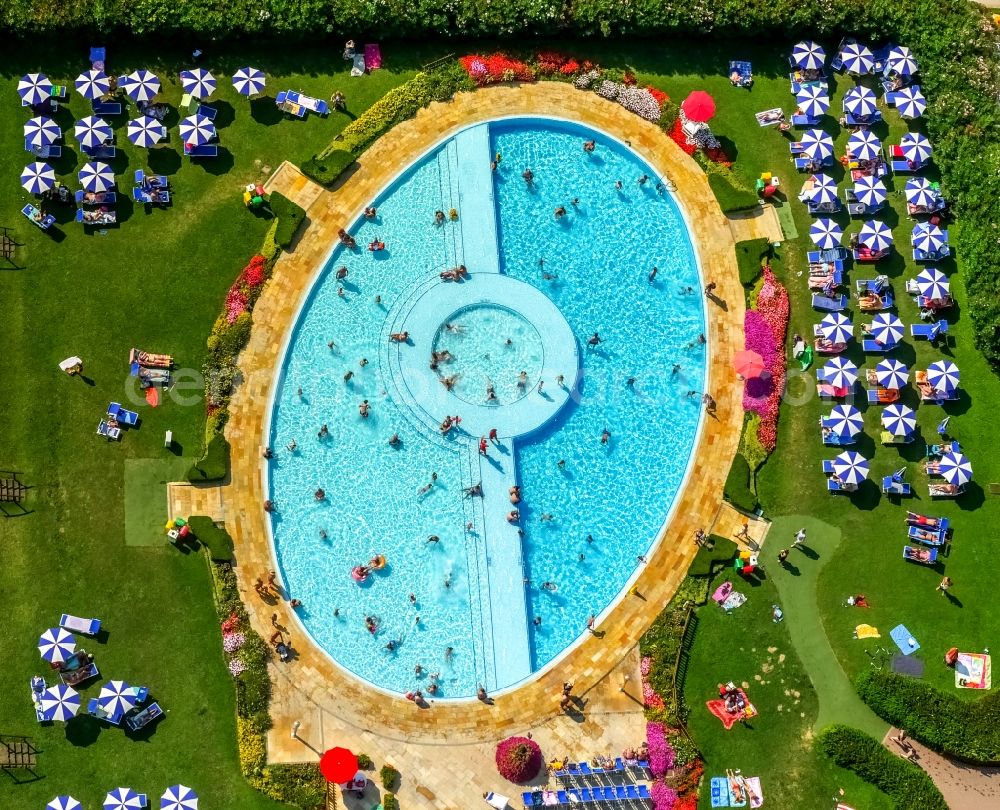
column 923, row 534
column 917, row 554
column 915, row 519
column 943, row 489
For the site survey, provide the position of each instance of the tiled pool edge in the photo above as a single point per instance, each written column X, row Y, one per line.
column 523, row 707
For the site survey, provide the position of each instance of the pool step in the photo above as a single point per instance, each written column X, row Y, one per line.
column 477, row 215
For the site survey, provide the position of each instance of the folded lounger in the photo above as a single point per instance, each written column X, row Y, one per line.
column 828, row 303
column 89, row 627
column 891, row 487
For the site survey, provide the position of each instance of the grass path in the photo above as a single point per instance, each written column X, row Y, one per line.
column 796, row 583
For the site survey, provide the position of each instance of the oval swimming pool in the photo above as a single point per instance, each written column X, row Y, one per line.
column 511, row 441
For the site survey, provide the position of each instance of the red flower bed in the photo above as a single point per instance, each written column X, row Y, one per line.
column 497, row 68
column 718, row 156
column 255, row 273
column 677, row 136
column 518, row 759
column 661, row 97
column 570, row 67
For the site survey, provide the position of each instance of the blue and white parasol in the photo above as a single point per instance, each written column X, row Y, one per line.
column 932, row 283
column 875, row 235
column 197, row 129
column 887, row 329
column 891, row 373
column 41, row 131
column 816, row 144
column 179, row 797
column 122, row 798
column 812, row 100
column 808, row 55
column 915, row 147
column 34, row 88
column 943, row 375
column 919, row 191
column 38, row 178
column 955, row 468
column 97, row 177
column 860, row 101
column 864, row 145
column 824, row 189
column 92, row 131
column 850, row 467
column 928, row 238
column 899, row 419
column 870, row 191
column 141, row 85
column 857, row 58
column 910, row 102
column 198, row 82
column 145, row 131
column 901, row 61
column 836, row 327
column 59, row 702
column 839, row 372
column 63, row 803
column 826, row 233
column 55, row 644
column 845, row 420
column 115, row 697
column 93, row 84
column 249, row 81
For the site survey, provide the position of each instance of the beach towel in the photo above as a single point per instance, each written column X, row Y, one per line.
column 733, row 601
column 718, row 708
column 973, row 671
column 358, row 67
column 906, row 643
column 720, row 791
column 806, row 359
column 866, row 631
column 373, row 57
column 769, row 118
column 153, row 396
column 753, row 789
column 722, row 592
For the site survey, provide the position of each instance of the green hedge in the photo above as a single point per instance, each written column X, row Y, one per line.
column 290, row 217
column 907, row 785
column 749, row 255
column 737, row 489
column 216, row 540
column 731, row 198
column 214, row 465
column 967, row 730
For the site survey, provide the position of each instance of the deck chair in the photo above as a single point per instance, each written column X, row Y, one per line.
column 88, row 627
column 741, row 74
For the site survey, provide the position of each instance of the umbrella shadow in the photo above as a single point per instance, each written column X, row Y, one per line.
column 83, row 730
column 264, row 111
column 165, row 160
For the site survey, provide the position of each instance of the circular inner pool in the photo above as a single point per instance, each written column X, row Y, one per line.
column 465, row 540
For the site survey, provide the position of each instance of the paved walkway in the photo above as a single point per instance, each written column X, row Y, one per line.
column 761, row 222
column 184, row 500
column 965, row 787
column 729, row 524
column 336, row 708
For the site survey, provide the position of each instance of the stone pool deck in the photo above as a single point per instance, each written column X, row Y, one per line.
column 444, row 751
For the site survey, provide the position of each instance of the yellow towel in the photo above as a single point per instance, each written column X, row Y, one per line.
column 866, row 631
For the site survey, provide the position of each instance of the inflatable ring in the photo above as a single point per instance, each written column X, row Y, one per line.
column 377, row 562
column 359, row 574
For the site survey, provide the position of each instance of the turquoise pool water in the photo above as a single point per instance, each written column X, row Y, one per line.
column 585, row 521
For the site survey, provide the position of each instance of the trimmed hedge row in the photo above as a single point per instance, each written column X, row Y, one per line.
column 737, row 488
column 969, row 731
column 905, row 783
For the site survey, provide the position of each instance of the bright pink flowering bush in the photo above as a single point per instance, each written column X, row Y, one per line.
column 764, row 330
column 518, row 759
column 661, row 754
column 664, row 797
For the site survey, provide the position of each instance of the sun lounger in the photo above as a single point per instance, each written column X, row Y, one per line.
column 206, row 150
column 149, row 359
column 837, row 440
column 929, row 331
column 837, row 488
column 88, row 627
column 208, row 111
column 828, row 466
column 828, row 303
column 893, row 487
column 528, row 798
column 924, row 556
column 141, row 196
column 141, row 719
column 816, row 209
column 863, row 121
column 94, row 709
column 98, row 54
column 940, row 449
column 874, row 347
column 112, row 433
column 102, row 152
column 876, row 285
column 928, row 537
column 741, row 73
column 828, row 255
column 77, row 676
column 888, row 438
column 904, row 166
column 944, row 490
column 882, row 396
column 809, row 165
column 827, row 391
column 51, row 151
column 44, row 222
column 644, row 792
column 105, row 108
column 924, row 256
column 834, row 279
column 103, row 198
column 122, row 416
column 770, row 118
column 96, row 219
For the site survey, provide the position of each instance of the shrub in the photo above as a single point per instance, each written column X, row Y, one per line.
column 967, row 730
column 290, row 217
column 326, row 169
column 389, row 777
column 216, row 540
column 750, row 259
column 214, row 465
column 708, row 560
column 737, row 488
column 389, row 802
column 905, row 783
column 518, row 759
column 661, row 753
column 731, row 198
column 365, row 762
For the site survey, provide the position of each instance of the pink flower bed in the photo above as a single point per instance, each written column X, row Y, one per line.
column 650, row 699
column 664, row 797
column 764, row 330
column 661, row 754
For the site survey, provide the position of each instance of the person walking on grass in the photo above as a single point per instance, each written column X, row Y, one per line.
column 944, row 585
column 800, row 537
column 783, row 555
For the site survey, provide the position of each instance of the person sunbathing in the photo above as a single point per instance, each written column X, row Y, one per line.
column 922, row 520
column 828, row 346
column 870, row 300
column 927, row 391
column 918, row 554
column 923, row 534
column 943, row 489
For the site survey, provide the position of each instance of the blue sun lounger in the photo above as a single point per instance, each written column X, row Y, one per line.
column 836, row 488
column 924, row 556
column 744, row 73
column 890, row 486
column 808, row 164
column 929, row 537
column 828, row 466
column 122, row 416
column 816, row 208
column 110, row 433
column 827, row 303
column 837, row 440
column 876, row 285
column 531, row 798
column 104, row 198
column 46, row 222
column 828, row 255
column 94, row 709
column 102, row 152
column 103, row 108
column 924, row 256
column 205, row 150
column 805, row 120
column 873, row 346
column 88, row 627
column 51, row 151
column 929, row 331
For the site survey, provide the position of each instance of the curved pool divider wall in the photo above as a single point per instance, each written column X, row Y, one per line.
column 588, row 661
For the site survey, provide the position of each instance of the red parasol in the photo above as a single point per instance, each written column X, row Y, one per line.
column 338, row 765
column 748, row 364
column 699, row 106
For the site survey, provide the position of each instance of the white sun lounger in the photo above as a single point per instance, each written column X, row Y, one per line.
column 89, row 627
